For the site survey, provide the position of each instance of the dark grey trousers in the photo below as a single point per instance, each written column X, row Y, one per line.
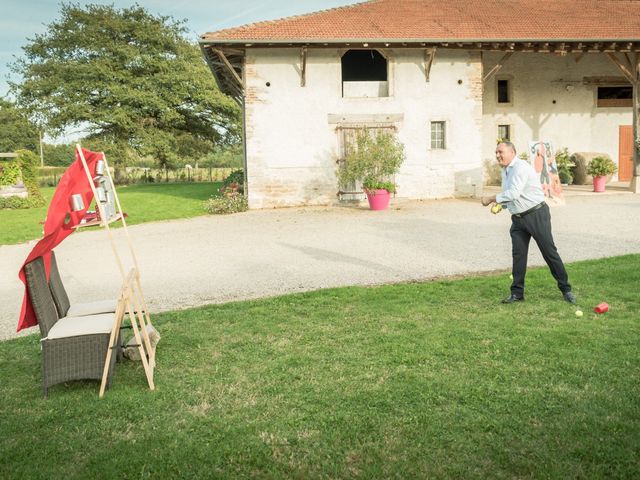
column 537, row 224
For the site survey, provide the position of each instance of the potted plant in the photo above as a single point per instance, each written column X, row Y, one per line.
column 375, row 157
column 599, row 168
column 565, row 165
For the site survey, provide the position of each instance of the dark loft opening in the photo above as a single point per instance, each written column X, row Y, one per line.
column 364, row 66
column 608, row 93
column 615, row 96
column 503, row 91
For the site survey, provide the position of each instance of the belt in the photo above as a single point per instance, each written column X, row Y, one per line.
column 531, row 210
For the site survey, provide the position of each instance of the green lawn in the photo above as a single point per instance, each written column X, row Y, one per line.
column 424, row 380
column 143, row 203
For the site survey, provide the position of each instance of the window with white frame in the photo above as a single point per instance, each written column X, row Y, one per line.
column 438, row 135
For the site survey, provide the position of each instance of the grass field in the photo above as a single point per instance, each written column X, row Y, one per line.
column 143, row 203
column 424, row 380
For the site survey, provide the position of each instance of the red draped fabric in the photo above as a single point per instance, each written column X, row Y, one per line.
column 59, row 222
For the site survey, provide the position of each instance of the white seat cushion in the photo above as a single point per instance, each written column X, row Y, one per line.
column 86, row 325
column 92, row 308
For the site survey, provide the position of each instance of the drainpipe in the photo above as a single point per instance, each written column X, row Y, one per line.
column 635, row 180
column 244, row 148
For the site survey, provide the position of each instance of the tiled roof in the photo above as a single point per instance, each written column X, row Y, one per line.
column 449, row 20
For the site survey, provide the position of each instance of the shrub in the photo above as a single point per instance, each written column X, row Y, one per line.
column 233, row 183
column 601, row 167
column 231, row 203
column 9, row 172
column 232, row 199
column 16, row 203
column 565, row 165
column 376, row 157
column 388, row 186
column 28, row 163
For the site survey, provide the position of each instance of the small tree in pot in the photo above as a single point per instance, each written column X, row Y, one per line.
column 375, row 157
column 599, row 168
column 564, row 163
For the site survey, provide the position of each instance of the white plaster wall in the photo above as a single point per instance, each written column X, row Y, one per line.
column 453, row 95
column 573, row 121
column 292, row 148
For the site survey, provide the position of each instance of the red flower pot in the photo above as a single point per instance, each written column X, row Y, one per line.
column 378, row 199
column 599, row 183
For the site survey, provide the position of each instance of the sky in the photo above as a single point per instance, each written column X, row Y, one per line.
column 22, row 19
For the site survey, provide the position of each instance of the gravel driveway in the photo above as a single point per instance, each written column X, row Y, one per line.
column 215, row 259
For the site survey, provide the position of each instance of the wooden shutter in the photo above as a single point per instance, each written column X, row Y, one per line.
column 625, row 153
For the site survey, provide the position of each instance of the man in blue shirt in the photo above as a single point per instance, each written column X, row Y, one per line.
column 530, row 217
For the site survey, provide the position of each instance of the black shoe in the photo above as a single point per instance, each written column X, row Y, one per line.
column 513, row 298
column 569, row 297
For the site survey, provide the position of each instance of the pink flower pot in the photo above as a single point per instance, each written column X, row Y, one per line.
column 378, row 199
column 599, row 183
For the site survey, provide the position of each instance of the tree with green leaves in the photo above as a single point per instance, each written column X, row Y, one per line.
column 17, row 131
column 130, row 80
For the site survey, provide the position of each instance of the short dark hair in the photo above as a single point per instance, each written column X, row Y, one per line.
column 510, row 145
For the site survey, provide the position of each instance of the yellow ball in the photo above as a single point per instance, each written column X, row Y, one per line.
column 579, row 313
column 497, row 208
column 511, row 276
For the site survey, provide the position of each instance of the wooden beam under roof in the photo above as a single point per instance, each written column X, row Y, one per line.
column 497, row 67
column 303, row 66
column 429, row 54
column 625, row 68
column 232, row 70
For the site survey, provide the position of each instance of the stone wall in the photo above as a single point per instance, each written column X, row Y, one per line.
column 293, row 132
column 555, row 100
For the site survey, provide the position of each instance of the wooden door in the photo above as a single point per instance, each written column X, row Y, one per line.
column 625, row 155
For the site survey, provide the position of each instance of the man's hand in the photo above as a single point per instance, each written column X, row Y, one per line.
column 486, row 201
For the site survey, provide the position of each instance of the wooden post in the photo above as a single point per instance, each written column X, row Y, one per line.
column 635, row 180
column 131, row 299
column 148, row 370
column 134, row 257
column 115, row 334
column 41, row 152
column 630, row 67
column 103, row 217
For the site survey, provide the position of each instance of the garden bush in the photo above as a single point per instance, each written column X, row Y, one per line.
column 565, row 165
column 233, row 183
column 231, row 199
column 27, row 163
column 9, row 173
column 231, row 203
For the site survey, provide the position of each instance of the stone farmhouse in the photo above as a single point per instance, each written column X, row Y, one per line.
column 449, row 77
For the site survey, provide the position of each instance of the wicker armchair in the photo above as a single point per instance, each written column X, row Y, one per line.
column 64, row 306
column 73, row 348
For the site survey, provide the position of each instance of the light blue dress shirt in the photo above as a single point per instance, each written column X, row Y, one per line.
column 521, row 189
